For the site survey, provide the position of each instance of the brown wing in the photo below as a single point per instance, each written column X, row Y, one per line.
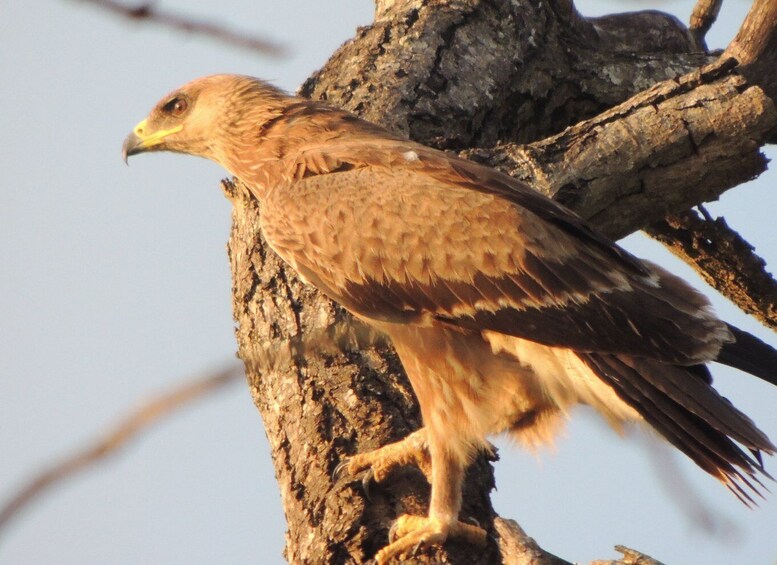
column 398, row 232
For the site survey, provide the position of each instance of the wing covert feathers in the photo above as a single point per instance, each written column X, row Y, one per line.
column 411, row 236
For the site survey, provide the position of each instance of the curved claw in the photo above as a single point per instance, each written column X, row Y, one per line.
column 416, row 549
column 392, row 535
column 341, row 466
column 367, row 480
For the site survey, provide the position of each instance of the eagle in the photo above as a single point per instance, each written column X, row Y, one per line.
column 505, row 308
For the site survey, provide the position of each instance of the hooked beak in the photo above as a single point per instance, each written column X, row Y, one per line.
column 141, row 139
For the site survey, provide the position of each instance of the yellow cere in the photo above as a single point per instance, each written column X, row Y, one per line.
column 156, row 137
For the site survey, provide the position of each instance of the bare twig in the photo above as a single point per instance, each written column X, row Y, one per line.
column 146, row 11
column 339, row 337
column 630, row 557
column 703, row 16
column 724, row 259
column 755, row 46
column 125, row 430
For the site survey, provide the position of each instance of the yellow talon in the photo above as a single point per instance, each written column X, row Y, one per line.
column 410, row 533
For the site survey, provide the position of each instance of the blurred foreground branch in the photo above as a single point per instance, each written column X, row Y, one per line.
column 146, row 11
column 125, row 430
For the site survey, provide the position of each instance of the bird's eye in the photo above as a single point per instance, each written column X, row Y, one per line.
column 176, row 107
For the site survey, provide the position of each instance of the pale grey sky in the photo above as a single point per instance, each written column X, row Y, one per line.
column 114, row 284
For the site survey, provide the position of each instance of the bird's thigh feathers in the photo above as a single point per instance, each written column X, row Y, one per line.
column 471, row 385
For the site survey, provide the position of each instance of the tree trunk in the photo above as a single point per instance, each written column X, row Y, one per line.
column 650, row 135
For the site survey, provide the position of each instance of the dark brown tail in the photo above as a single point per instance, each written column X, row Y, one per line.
column 680, row 403
column 751, row 355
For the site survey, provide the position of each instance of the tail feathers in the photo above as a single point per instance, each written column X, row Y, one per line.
column 692, row 416
column 697, row 396
column 750, row 354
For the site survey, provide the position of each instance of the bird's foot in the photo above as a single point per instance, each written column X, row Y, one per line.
column 410, row 533
column 377, row 464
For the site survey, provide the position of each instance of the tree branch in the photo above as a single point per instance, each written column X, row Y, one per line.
column 704, row 14
column 755, row 46
column 127, row 429
column 724, row 259
column 679, row 143
column 469, row 73
column 147, row 12
column 630, row 557
column 517, row 548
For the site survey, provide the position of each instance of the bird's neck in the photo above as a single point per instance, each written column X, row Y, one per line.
column 263, row 154
column 246, row 150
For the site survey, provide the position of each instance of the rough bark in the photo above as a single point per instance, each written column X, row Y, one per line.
column 755, row 46
column 714, row 248
column 483, row 76
column 703, row 16
column 681, row 142
column 467, row 73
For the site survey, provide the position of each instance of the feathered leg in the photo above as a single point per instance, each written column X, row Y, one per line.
column 444, row 472
column 409, row 533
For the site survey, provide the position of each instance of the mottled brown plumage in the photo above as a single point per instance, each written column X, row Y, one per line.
column 505, row 308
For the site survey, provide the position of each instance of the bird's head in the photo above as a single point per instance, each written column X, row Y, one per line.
column 203, row 116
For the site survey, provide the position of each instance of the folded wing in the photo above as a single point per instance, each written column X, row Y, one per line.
column 416, row 234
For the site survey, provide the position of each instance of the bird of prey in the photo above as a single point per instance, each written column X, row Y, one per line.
column 505, row 308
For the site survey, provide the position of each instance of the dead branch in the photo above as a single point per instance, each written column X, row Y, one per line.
column 679, row 143
column 125, row 430
column 724, row 259
column 517, row 548
column 704, row 14
column 630, row 557
column 755, row 46
column 147, row 12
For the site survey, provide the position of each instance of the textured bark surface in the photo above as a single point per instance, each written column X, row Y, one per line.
column 755, row 46
column 482, row 76
column 681, row 142
column 712, row 247
column 467, row 73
